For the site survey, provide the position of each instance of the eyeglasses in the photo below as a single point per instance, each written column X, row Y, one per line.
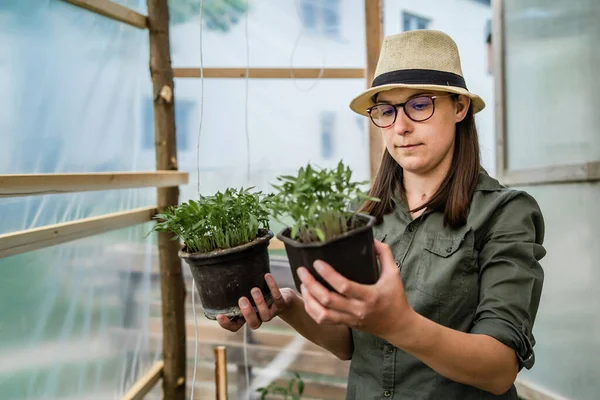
column 417, row 109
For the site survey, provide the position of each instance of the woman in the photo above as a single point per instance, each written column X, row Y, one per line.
column 451, row 314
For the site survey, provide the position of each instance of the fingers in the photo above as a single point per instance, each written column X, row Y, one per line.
column 261, row 305
column 386, row 258
column 320, row 314
column 278, row 300
column 342, row 285
column 325, row 297
column 249, row 314
column 230, row 325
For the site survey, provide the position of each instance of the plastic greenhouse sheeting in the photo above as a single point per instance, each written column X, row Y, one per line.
column 74, row 318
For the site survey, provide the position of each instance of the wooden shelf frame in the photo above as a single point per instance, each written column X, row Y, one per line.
column 37, row 238
column 18, row 185
column 113, row 11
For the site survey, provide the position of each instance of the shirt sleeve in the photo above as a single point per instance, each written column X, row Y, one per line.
column 511, row 276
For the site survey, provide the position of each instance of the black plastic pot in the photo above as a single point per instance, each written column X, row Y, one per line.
column 351, row 254
column 223, row 276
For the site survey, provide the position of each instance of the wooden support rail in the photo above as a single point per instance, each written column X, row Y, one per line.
column 146, row 383
column 41, row 184
column 32, row 239
column 272, row 73
column 113, row 11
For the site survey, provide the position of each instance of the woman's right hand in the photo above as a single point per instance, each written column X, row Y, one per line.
column 282, row 299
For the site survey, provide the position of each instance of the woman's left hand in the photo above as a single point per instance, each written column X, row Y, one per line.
column 378, row 309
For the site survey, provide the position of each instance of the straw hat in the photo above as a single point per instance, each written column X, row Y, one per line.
column 418, row 59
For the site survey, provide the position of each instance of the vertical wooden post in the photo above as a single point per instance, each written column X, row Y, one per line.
column 171, row 280
column 221, row 372
column 374, row 36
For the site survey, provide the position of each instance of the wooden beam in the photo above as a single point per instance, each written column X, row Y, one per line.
column 41, row 184
column 37, row 238
column 271, row 73
column 146, row 383
column 499, row 85
column 276, row 244
column 374, row 35
column 221, row 372
column 113, row 11
column 172, row 288
column 308, row 359
column 587, row 172
column 314, row 388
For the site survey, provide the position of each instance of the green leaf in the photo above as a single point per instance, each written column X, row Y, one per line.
column 320, row 234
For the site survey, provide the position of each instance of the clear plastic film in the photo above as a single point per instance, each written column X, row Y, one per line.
column 80, row 320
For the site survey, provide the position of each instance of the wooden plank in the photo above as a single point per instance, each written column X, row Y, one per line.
column 271, row 73
column 499, row 85
column 305, row 361
column 276, row 244
column 529, row 391
column 37, row 238
column 113, row 11
column 42, row 184
column 211, row 331
column 312, row 388
column 146, row 383
column 171, row 279
column 374, row 35
column 587, row 172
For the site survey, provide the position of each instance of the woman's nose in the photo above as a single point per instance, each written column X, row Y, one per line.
column 403, row 124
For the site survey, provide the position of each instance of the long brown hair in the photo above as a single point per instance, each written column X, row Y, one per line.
column 453, row 197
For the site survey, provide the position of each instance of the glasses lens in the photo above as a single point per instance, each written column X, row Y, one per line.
column 419, row 108
column 383, row 115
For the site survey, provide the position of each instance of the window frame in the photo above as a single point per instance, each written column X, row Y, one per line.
column 554, row 174
column 405, row 13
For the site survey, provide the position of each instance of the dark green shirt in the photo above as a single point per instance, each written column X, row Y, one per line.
column 482, row 278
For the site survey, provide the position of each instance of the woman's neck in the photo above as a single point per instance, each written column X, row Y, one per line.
column 420, row 188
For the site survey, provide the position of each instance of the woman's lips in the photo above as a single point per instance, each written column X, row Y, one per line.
column 409, row 146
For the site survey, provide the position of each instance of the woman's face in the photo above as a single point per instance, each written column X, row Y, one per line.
column 423, row 147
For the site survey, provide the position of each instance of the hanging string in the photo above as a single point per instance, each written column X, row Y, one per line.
column 246, row 102
column 296, row 43
column 196, row 331
column 198, row 189
column 201, row 98
column 246, row 368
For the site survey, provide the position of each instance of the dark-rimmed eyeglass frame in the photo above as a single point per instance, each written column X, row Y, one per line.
column 402, row 105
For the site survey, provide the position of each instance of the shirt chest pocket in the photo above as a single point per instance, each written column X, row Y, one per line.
column 447, row 265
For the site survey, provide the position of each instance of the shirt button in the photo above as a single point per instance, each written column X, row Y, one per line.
column 449, row 249
column 398, row 264
column 410, row 228
column 389, row 349
column 387, row 393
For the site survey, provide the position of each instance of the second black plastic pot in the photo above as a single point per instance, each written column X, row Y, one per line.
column 351, row 254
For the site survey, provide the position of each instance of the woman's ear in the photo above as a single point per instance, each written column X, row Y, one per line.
column 462, row 107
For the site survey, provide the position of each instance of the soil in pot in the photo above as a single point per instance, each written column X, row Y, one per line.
column 223, row 276
column 351, row 254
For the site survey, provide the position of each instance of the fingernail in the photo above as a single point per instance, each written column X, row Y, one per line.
column 318, row 265
column 301, row 273
column 255, row 293
column 244, row 303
